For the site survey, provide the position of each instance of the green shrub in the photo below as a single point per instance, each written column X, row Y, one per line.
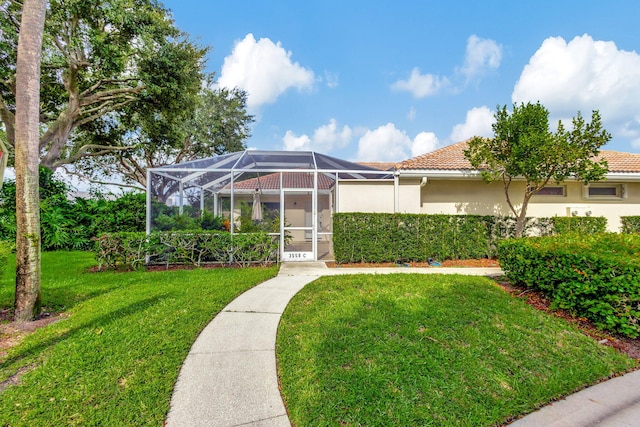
column 383, row 237
column 592, row 276
column 5, row 250
column 630, row 224
column 70, row 224
column 193, row 247
column 578, row 224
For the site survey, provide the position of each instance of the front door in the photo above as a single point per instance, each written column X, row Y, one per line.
column 298, row 236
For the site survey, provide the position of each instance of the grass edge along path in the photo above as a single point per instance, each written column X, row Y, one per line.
column 427, row 350
column 116, row 357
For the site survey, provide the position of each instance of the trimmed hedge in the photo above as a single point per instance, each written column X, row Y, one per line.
column 596, row 277
column 576, row 224
column 630, row 224
column 381, row 237
column 194, row 247
column 385, row 237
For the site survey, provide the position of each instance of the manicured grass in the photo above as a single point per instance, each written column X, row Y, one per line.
column 424, row 350
column 115, row 359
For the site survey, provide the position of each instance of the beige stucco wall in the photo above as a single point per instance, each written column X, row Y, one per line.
column 379, row 196
column 365, row 196
column 477, row 197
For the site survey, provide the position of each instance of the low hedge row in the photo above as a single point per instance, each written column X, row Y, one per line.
column 384, row 237
column 630, row 224
column 596, row 277
column 131, row 250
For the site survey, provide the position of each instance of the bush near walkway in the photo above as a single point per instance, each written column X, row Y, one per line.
column 129, row 251
column 596, row 277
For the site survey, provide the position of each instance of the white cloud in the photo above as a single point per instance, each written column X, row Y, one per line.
column 325, row 138
column 389, row 144
column 584, row 75
column 411, row 115
column 421, row 85
column 292, row 142
column 423, row 143
column 481, row 55
column 332, row 79
column 385, row 143
column 477, row 123
column 264, row 69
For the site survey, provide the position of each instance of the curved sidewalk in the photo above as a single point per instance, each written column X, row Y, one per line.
column 229, row 377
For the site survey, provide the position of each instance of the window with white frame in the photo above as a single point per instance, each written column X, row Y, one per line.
column 605, row 191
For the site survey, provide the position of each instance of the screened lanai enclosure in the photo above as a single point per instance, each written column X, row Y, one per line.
column 291, row 194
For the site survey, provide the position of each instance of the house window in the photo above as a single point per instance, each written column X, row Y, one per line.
column 558, row 190
column 605, row 191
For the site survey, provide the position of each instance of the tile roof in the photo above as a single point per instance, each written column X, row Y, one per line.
column 290, row 180
column 383, row 166
column 452, row 157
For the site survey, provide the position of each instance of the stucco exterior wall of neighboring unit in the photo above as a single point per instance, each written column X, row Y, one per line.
column 365, row 196
column 478, row 198
column 379, row 196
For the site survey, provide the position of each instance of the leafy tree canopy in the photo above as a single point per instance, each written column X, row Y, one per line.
column 101, row 59
column 218, row 124
column 524, row 147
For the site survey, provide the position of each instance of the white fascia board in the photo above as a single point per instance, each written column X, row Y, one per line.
column 469, row 174
column 434, row 173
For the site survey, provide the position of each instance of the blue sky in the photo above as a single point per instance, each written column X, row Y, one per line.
column 385, row 81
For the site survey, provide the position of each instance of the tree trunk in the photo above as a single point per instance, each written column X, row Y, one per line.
column 27, row 302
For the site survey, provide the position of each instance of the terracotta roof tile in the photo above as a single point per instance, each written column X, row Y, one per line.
column 452, row 157
column 290, row 180
column 383, row 166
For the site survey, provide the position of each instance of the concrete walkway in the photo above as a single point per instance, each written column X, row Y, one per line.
column 230, row 379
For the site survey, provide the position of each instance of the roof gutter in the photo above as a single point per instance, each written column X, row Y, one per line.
column 474, row 174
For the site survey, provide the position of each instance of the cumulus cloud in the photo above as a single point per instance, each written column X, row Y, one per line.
column 421, row 85
column 325, row 138
column 481, row 55
column 389, row 144
column 264, row 70
column 424, row 142
column 477, row 123
column 583, row 75
column 331, row 79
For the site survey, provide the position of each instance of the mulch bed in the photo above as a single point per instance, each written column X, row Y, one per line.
column 484, row 262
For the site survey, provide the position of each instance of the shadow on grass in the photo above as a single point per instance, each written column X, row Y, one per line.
column 14, row 361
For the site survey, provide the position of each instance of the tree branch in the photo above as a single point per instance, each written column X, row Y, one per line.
column 84, row 152
column 108, row 95
column 9, row 120
column 102, row 82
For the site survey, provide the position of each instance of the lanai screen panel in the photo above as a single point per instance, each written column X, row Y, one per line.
column 207, row 184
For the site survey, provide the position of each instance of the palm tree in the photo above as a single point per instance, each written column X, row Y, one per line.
column 27, row 302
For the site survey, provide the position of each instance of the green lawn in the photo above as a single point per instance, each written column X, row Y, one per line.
column 115, row 359
column 427, row 350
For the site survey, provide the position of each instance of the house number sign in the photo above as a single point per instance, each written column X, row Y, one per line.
column 298, row 256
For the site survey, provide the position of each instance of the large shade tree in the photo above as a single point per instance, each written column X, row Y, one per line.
column 524, row 148
column 218, row 124
column 25, row 135
column 100, row 58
